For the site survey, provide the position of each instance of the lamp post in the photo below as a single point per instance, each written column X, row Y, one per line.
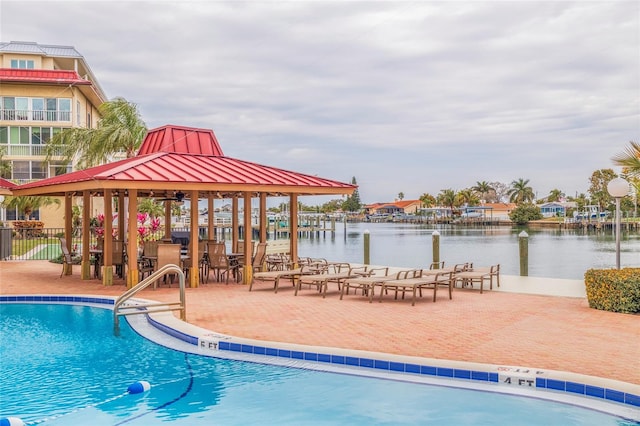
column 618, row 188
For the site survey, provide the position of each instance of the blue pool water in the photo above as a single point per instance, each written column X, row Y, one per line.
column 61, row 365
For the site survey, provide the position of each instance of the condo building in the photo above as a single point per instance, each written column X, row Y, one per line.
column 44, row 89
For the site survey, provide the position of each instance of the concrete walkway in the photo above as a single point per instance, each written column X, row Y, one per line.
column 504, row 327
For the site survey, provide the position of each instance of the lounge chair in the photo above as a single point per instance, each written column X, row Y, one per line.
column 367, row 284
column 479, row 275
column 333, row 273
column 417, row 282
column 277, row 275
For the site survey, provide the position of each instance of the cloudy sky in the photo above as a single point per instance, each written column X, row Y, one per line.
column 408, row 97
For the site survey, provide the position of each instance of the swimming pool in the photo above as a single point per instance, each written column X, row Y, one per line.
column 61, row 364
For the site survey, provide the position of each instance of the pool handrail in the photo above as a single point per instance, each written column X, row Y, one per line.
column 142, row 308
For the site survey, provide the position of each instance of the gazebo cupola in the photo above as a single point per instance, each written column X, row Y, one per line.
column 181, row 140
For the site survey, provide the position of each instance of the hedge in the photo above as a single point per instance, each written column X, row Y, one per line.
column 614, row 290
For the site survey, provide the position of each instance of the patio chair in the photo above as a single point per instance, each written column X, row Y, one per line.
column 258, row 263
column 219, row 263
column 67, row 259
column 203, row 261
column 118, row 257
column 168, row 254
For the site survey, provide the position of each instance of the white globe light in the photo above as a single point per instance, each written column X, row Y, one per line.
column 618, row 187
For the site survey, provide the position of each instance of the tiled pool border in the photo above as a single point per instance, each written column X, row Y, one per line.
column 208, row 342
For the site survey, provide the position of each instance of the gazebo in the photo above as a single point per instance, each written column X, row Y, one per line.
column 178, row 162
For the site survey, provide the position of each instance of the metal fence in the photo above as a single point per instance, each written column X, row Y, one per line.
column 44, row 243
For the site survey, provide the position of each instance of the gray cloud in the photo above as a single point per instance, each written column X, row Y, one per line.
column 405, row 96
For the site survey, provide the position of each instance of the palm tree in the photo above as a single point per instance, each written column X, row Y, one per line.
column 448, row 198
column 150, row 206
column 520, row 192
column 5, row 166
column 483, row 188
column 468, row 196
column 27, row 204
column 121, row 129
column 400, row 196
column 428, row 200
column 555, row 195
column 630, row 159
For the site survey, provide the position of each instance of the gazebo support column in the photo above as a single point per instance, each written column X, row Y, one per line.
column 107, row 250
column 86, row 212
column 293, row 228
column 121, row 216
column 264, row 225
column 248, row 236
column 68, row 228
column 234, row 224
column 132, row 239
column 211, row 224
column 167, row 220
column 194, row 272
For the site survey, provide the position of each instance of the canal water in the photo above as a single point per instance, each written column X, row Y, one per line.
column 552, row 253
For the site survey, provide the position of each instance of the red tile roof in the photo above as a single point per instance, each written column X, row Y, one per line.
column 41, row 76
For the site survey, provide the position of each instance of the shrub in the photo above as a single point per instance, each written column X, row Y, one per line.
column 614, row 290
column 524, row 213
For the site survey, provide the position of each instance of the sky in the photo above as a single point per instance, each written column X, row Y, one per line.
column 407, row 97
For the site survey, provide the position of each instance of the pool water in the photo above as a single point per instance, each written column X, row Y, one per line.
column 62, row 365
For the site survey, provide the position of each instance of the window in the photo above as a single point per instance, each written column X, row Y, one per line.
column 22, row 108
column 21, row 170
column 64, row 109
column 12, row 214
column 52, row 106
column 78, row 113
column 8, row 108
column 38, row 170
column 56, row 168
column 37, row 105
column 22, row 64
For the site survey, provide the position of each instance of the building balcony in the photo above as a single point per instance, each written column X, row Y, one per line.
column 34, row 115
column 11, row 150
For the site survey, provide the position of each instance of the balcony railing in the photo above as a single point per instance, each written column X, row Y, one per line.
column 28, row 150
column 34, row 115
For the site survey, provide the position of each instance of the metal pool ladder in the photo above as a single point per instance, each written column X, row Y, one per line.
column 148, row 308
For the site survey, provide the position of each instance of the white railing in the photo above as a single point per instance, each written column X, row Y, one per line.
column 28, row 150
column 34, row 115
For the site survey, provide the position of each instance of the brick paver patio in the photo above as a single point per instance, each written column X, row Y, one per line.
column 547, row 332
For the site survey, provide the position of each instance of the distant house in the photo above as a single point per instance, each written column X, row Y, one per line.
column 498, row 211
column 396, row 207
column 556, row 208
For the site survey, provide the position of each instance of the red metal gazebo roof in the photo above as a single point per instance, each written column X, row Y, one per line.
column 6, row 186
column 177, row 157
